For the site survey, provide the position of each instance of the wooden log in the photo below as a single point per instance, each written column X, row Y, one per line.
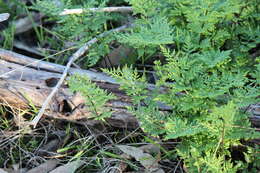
column 47, row 66
column 25, row 81
column 22, row 85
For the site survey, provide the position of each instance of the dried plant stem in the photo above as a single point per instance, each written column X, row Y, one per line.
column 105, row 9
column 74, row 57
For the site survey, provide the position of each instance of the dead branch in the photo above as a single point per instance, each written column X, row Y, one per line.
column 105, row 9
column 74, row 57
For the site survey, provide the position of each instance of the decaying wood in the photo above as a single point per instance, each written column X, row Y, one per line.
column 25, row 81
column 22, row 86
column 22, row 61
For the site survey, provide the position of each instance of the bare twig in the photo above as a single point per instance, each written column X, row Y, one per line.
column 105, row 9
column 75, row 56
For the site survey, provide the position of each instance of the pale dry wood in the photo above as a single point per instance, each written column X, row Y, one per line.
column 22, row 85
column 69, row 167
column 65, row 105
column 25, row 61
column 105, row 9
column 45, row 167
column 4, row 16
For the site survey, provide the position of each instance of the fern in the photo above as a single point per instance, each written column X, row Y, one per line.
column 95, row 98
column 206, row 70
column 145, row 7
column 75, row 30
column 155, row 32
column 206, row 79
column 131, row 82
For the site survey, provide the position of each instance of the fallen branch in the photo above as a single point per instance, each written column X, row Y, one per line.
column 105, row 9
column 74, row 57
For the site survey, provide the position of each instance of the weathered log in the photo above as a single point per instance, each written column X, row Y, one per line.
column 25, row 81
column 22, row 84
column 44, row 66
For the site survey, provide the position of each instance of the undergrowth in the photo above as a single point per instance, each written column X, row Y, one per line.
column 205, row 56
column 209, row 74
column 66, row 142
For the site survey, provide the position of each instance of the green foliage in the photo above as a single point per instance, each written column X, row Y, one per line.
column 208, row 76
column 147, row 35
column 209, row 72
column 78, row 29
column 95, row 98
column 207, row 123
column 256, row 73
column 8, row 35
column 154, row 32
column 144, row 7
column 14, row 7
column 7, row 28
column 131, row 82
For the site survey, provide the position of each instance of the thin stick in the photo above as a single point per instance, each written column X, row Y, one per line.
column 75, row 56
column 105, row 9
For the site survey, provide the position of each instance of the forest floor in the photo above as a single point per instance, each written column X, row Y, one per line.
column 66, row 145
